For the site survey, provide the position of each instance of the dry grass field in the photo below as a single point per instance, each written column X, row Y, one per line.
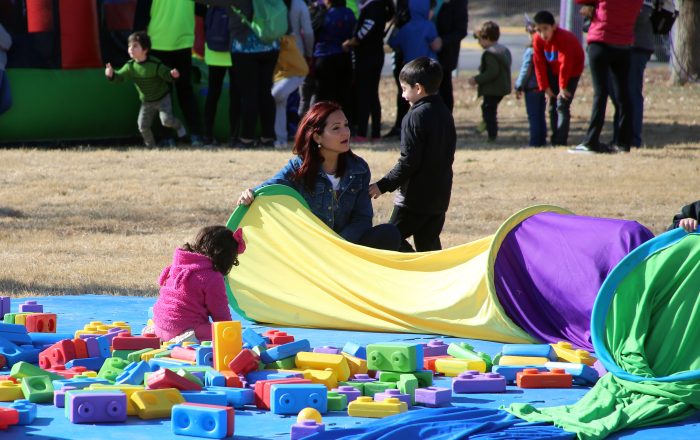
column 106, row 220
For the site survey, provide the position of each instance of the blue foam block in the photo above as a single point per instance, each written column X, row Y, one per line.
column 292, row 398
column 214, row 378
column 236, row 397
column 285, row 350
column 536, row 350
column 41, row 339
column 78, row 384
column 354, row 349
column 204, row 356
column 582, row 373
column 134, row 373
column 207, row 397
column 199, row 421
column 252, row 337
column 91, row 363
column 15, row 333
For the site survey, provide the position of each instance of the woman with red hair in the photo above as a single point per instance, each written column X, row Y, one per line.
column 332, row 179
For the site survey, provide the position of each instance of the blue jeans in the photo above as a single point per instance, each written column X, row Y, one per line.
column 535, row 105
column 638, row 63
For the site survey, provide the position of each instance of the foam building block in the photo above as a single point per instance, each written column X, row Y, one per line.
column 126, row 341
column 199, row 420
column 462, row 350
column 278, row 337
column 236, row 397
column 15, row 333
column 532, row 378
column 37, row 389
column 262, row 389
column 24, row 369
column 42, row 339
column 372, row 388
column 327, row 377
column 5, row 305
column 41, row 322
column 401, row 357
column 362, row 377
column 451, row 367
column 292, row 398
column 69, row 373
column 166, row 362
column 305, row 428
column 522, row 360
column 436, row 347
column 509, row 372
column 327, row 350
column 10, row 391
column 129, row 390
column 214, row 378
column 90, row 363
column 204, row 355
column 355, row 349
column 226, row 343
column 31, row 306
column 133, row 374
column 97, row 407
column 337, row 401
column 349, row 391
column 59, row 396
column 8, row 416
column 357, row 365
column 58, row 354
column 165, row 378
column 529, row 350
column 78, row 383
column 582, row 374
column 282, row 364
column 366, row 407
column 255, row 376
column 205, row 397
column 155, row 404
column 566, row 352
column 285, row 350
column 433, row 397
column 393, row 394
column 184, row 354
column 14, row 353
column 244, row 362
column 252, row 338
column 112, row 368
column 321, row 361
column 424, row 377
column 407, row 384
column 474, row 382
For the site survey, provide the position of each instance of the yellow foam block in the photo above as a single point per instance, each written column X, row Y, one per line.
column 364, row 406
column 21, row 318
column 452, row 367
column 227, row 343
column 129, row 390
column 10, row 391
column 567, row 353
column 522, row 360
column 156, row 404
column 356, row 364
column 147, row 356
column 328, row 377
column 322, row 361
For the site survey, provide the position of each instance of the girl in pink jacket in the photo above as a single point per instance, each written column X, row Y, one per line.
column 192, row 287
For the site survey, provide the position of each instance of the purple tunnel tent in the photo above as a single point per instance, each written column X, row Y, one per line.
column 535, row 279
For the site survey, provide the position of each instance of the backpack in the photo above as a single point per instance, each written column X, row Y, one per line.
column 270, row 19
column 662, row 19
column 217, row 31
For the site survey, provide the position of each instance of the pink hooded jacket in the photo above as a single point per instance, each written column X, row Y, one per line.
column 191, row 292
column 613, row 21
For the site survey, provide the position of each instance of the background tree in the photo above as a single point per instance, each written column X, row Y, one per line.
column 685, row 53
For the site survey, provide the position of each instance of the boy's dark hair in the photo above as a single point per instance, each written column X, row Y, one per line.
column 544, row 17
column 489, row 30
column 424, row 71
column 217, row 243
column 142, row 38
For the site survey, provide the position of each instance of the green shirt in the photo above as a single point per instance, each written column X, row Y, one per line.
column 172, row 24
column 151, row 78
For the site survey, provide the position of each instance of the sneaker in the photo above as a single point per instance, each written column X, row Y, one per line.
column 265, row 143
column 241, row 144
column 616, row 149
column 281, row 145
column 186, row 336
column 481, row 127
column 585, row 149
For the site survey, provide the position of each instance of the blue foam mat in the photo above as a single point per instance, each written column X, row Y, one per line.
column 75, row 311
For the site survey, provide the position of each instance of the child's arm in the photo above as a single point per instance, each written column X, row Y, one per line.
column 491, row 69
column 525, row 70
column 361, row 215
column 216, row 300
column 540, row 63
column 409, row 161
column 117, row 75
column 436, row 44
column 691, row 214
column 166, row 73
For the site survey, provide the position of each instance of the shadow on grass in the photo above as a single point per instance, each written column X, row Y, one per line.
column 17, row 288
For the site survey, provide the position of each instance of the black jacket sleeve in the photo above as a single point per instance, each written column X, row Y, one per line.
column 688, row 211
column 459, row 16
column 142, row 15
column 412, row 148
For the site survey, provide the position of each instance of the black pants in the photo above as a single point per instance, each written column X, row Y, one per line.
column 560, row 110
column 182, row 61
column 216, row 82
column 605, row 60
column 385, row 236
column 402, row 105
column 425, row 229
column 446, row 89
column 368, row 70
column 333, row 80
column 489, row 112
column 253, row 78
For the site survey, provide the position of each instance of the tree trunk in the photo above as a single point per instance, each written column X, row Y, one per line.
column 685, row 45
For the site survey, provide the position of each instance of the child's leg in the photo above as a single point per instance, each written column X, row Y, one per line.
column 535, row 105
column 489, row 111
column 564, row 114
column 427, row 237
column 167, row 118
column 216, row 81
column 280, row 92
column 145, row 120
column 407, row 223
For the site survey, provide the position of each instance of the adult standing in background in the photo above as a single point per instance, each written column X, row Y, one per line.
column 451, row 17
column 170, row 25
column 610, row 39
column 5, row 44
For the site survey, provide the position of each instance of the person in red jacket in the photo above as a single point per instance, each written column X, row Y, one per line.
column 610, row 39
column 558, row 58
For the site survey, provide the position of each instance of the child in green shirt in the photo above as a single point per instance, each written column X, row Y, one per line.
column 152, row 80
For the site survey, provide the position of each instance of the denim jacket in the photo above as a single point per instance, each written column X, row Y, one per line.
column 349, row 211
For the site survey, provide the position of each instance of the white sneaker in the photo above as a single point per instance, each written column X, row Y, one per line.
column 186, row 336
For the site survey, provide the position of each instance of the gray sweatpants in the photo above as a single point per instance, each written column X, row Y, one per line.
column 164, row 108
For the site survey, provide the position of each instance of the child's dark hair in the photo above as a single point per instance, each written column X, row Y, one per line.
column 489, row 30
column 217, row 243
column 424, row 71
column 142, row 38
column 544, row 17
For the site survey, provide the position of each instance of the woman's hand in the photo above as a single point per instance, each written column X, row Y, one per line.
column 689, row 224
column 246, row 197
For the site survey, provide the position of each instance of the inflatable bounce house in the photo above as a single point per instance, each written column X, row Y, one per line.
column 56, row 71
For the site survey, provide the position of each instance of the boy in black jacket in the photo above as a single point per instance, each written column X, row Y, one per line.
column 688, row 218
column 423, row 173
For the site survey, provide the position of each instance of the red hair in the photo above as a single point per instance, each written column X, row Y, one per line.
column 314, row 122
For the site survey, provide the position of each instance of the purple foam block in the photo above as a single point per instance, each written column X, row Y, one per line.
column 350, row 391
column 362, row 377
column 306, row 428
column 378, row 397
column 59, row 396
column 97, row 407
column 31, row 306
column 4, row 306
column 433, row 397
column 435, row 348
column 93, row 347
column 326, row 349
column 598, row 366
column 469, row 382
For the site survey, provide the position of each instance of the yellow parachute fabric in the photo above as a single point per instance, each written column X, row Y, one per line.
column 298, row 272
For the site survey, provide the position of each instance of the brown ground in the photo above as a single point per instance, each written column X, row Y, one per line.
column 107, row 220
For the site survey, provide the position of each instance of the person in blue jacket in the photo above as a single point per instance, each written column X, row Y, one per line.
column 333, row 180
